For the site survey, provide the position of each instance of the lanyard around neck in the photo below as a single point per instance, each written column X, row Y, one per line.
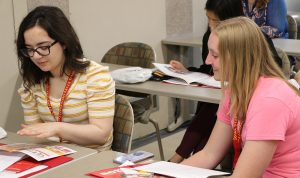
column 63, row 97
column 237, row 140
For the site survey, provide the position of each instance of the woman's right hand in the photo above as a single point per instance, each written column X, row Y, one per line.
column 178, row 66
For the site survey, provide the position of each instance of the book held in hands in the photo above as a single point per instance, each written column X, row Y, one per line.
column 187, row 78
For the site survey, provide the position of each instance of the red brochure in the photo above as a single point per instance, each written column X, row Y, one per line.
column 21, row 166
column 50, row 163
column 115, row 172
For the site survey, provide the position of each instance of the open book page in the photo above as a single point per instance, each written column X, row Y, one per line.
column 188, row 77
column 210, row 81
column 178, row 81
column 38, row 152
column 178, row 170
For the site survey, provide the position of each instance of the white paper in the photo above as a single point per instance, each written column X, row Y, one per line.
column 210, row 81
column 178, row 170
column 9, row 158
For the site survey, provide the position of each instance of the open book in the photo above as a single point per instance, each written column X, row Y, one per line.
column 187, row 78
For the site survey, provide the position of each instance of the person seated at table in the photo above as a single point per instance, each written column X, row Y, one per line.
column 297, row 77
column 199, row 129
column 63, row 94
column 269, row 15
column 259, row 111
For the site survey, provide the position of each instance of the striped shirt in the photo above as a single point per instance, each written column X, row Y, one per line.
column 91, row 96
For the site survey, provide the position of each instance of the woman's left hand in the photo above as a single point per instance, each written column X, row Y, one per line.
column 41, row 130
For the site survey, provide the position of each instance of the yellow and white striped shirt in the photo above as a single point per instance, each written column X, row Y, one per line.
column 91, row 95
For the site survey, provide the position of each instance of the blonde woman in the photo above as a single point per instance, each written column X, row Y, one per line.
column 269, row 15
column 259, row 112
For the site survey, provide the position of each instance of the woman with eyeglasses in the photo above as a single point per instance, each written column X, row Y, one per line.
column 63, row 95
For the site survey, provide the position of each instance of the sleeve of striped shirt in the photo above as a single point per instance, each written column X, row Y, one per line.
column 29, row 105
column 100, row 92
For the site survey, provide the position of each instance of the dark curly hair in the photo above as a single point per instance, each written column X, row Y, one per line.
column 58, row 27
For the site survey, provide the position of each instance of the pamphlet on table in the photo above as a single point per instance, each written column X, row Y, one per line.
column 20, row 159
column 37, row 151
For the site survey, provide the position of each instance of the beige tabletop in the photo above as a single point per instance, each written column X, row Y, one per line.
column 209, row 95
column 289, row 46
column 189, row 40
column 78, row 169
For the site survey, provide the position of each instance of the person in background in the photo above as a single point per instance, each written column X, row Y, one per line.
column 297, row 77
column 263, row 124
column 63, row 94
column 202, row 123
column 269, row 15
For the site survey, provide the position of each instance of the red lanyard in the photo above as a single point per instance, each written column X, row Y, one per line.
column 63, row 97
column 237, row 141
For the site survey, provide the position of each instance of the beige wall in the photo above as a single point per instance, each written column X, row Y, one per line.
column 293, row 5
column 100, row 24
column 10, row 109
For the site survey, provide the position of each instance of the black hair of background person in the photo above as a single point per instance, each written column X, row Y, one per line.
column 58, row 27
column 227, row 9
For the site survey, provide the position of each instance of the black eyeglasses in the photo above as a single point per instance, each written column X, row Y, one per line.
column 42, row 50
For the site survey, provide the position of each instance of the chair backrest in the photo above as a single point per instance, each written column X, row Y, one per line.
column 292, row 27
column 123, row 125
column 131, row 54
column 286, row 66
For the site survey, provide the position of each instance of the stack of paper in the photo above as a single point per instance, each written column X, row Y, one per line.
column 12, row 163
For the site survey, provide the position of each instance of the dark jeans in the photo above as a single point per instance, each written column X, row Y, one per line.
column 199, row 130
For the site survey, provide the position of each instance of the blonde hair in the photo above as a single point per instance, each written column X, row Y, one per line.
column 244, row 57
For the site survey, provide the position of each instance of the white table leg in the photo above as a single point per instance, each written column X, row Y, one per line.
column 183, row 116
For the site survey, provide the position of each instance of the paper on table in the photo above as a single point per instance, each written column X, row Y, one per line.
column 48, row 152
column 38, row 152
column 8, row 158
column 178, row 170
column 10, row 174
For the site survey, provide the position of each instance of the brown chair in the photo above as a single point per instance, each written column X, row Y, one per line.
column 286, row 66
column 123, row 125
column 292, row 27
column 142, row 55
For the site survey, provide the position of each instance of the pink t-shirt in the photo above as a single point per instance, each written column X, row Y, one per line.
column 273, row 114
